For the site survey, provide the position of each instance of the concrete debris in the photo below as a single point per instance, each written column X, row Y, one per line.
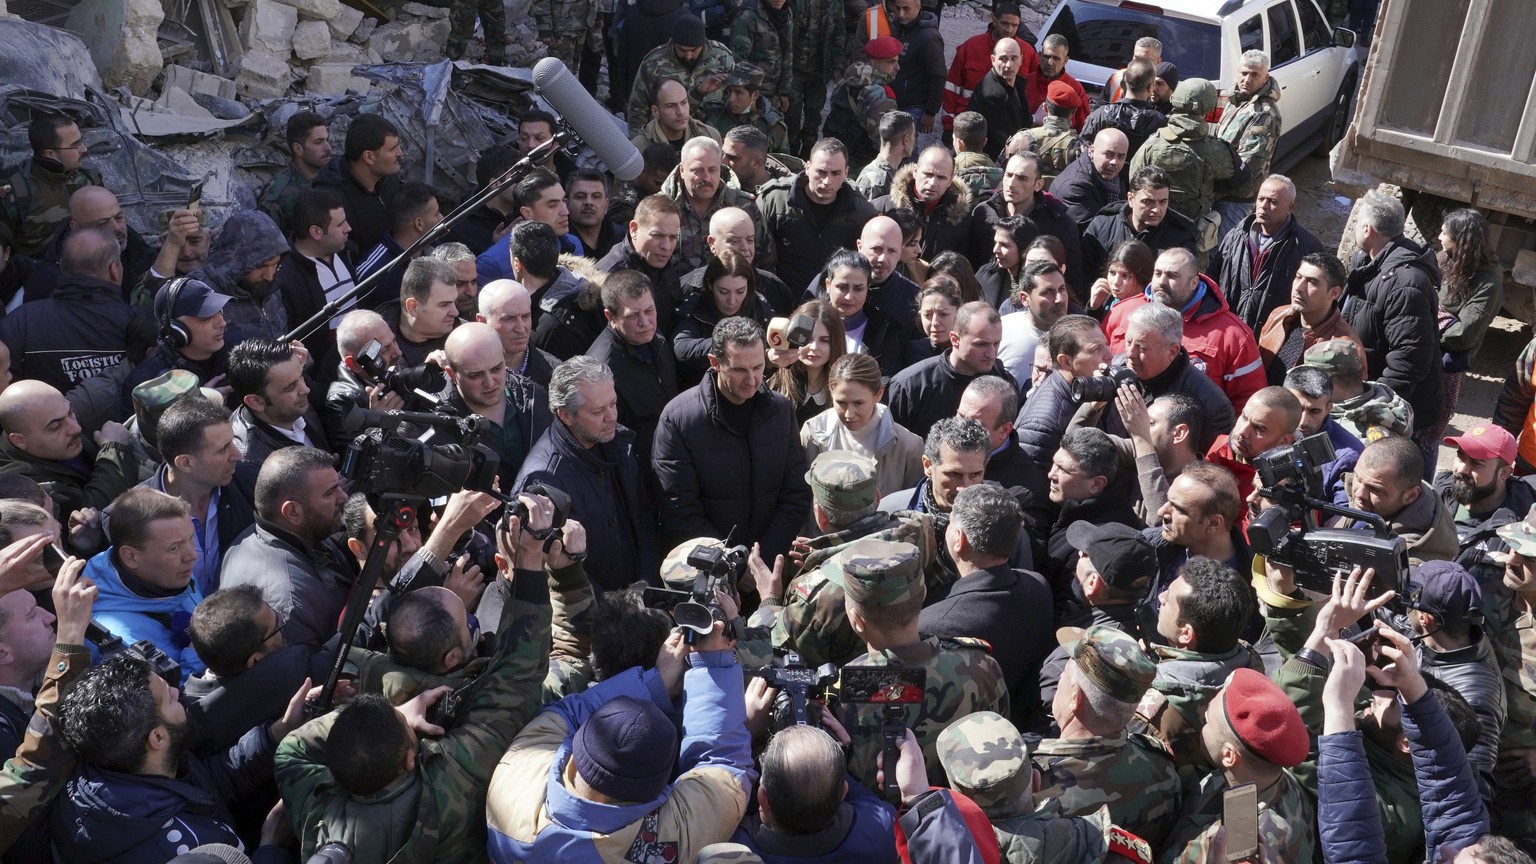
column 345, row 23
column 263, row 75
column 311, row 39
column 334, row 78
column 316, row 10
column 123, row 39
column 422, row 10
column 268, row 26
column 195, row 82
column 364, row 30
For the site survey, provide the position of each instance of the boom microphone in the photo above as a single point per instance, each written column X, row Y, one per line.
column 595, row 125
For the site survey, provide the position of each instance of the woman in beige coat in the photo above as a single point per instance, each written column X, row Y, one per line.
column 857, row 421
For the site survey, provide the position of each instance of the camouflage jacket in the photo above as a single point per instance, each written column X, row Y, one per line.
column 875, row 180
column 662, row 63
column 1286, row 826
column 553, row 17
column 1053, row 141
column 36, row 774
column 764, row 117
column 1131, row 774
column 39, row 202
column 279, row 196
column 814, row 622
column 1252, row 127
column 570, row 656
column 1049, row 836
column 1174, row 707
column 979, row 174
column 1195, row 162
column 691, row 246
column 448, row 785
column 962, row 678
column 821, row 34
column 862, row 98
column 1376, row 413
column 755, row 40
column 1517, row 650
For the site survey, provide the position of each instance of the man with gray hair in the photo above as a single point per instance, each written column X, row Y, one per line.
column 508, row 307
column 589, row 456
column 1251, row 124
column 1222, row 344
column 1154, row 352
column 701, row 186
column 1257, row 260
column 1008, row 608
column 458, row 256
column 354, row 386
column 1391, row 301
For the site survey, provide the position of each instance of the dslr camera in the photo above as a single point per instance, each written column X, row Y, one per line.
column 1288, row 533
column 373, row 366
column 1102, row 385
column 800, row 690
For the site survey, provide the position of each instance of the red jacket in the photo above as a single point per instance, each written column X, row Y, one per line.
column 1221, row 454
column 973, row 59
column 1035, row 91
column 1217, row 341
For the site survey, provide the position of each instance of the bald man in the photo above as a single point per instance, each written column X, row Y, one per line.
column 930, row 190
column 43, row 441
column 82, row 330
column 1094, row 179
column 892, row 293
column 479, row 383
column 507, row 306
column 734, row 228
column 93, row 207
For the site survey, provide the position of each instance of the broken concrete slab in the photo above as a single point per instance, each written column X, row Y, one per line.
column 263, row 75
column 179, row 101
column 422, row 10
column 195, row 82
column 364, row 30
column 311, row 39
column 268, row 26
column 345, row 23
column 316, row 10
column 334, row 78
column 342, row 52
column 123, row 39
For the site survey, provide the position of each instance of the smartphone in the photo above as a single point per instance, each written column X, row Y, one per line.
column 195, row 197
column 1369, row 642
column 53, row 558
column 1240, row 814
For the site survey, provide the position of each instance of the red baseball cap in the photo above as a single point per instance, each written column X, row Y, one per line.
column 1485, row 441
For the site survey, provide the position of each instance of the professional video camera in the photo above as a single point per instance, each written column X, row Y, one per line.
column 109, row 643
column 1288, row 533
column 1102, row 385
column 382, row 459
column 696, row 611
column 893, row 688
column 800, row 690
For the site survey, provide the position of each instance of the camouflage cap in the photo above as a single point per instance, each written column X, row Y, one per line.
column 876, row 572
column 842, row 480
column 1521, row 536
column 727, row 853
column 1111, row 659
column 987, row 760
column 875, row 100
column 675, row 572
column 745, row 75
column 1195, row 96
column 1335, row 356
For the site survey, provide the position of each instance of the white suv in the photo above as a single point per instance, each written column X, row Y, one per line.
column 1315, row 64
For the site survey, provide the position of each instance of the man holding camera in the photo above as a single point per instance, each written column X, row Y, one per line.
column 355, row 386
column 883, row 583
column 1269, row 420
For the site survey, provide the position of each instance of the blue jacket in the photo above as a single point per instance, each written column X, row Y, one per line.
column 1346, row 452
column 864, row 822
column 1348, row 820
column 161, row 620
column 1454, row 812
column 532, row 816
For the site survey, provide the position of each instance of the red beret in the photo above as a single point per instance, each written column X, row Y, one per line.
column 1062, row 94
column 1264, row 718
column 884, row 48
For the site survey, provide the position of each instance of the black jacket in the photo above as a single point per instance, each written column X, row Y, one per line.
column 1391, row 303
column 717, row 479
column 780, row 297
column 512, row 441
column 79, row 332
column 367, row 212
column 947, row 225
column 1083, row 191
column 1137, row 118
column 1181, row 376
column 924, row 394
column 919, row 83
column 477, row 229
column 258, row 440
column 561, row 327
column 996, row 284
column 1011, row 467
column 696, row 320
column 803, row 241
column 1009, row 609
column 1051, row 217
column 608, row 498
column 94, row 479
column 1056, row 558
column 1004, row 108
column 1113, row 226
column 645, row 383
column 162, row 359
column 666, row 283
column 44, row 278
column 227, row 708
column 1252, row 297
column 895, row 298
column 341, row 395
column 1043, row 420
column 298, row 283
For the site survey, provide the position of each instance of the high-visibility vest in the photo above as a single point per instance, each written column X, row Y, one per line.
column 875, row 22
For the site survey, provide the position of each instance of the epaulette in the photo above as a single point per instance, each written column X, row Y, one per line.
column 1151, row 742
column 966, row 642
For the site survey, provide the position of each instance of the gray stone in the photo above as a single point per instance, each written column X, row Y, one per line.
column 195, row 82
column 422, row 10
column 334, row 78
column 316, row 10
column 263, row 75
column 345, row 23
column 364, row 30
column 405, row 41
column 311, row 39
column 123, row 39
column 268, row 26
column 343, row 52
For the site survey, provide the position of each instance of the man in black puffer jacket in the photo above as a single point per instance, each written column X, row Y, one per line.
column 1390, row 300
column 812, row 214
column 1091, row 181
column 1255, row 288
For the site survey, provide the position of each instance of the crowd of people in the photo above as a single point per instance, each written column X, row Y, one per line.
column 981, row 425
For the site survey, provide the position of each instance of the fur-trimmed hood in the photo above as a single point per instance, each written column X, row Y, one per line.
column 591, row 279
column 957, row 201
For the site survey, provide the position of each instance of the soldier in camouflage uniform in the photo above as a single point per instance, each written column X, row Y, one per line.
column 754, row 644
column 818, row 57
column 883, row 584
column 1194, row 159
column 569, row 28
column 763, row 34
column 746, row 105
column 1251, row 124
column 700, row 64
column 988, row 761
column 814, row 621
column 1514, row 776
column 1369, row 410
column 973, row 166
column 37, row 200
column 1097, row 763
column 715, row 191
column 1054, row 139
column 862, row 98
column 493, row 20
column 1259, row 735
column 309, row 150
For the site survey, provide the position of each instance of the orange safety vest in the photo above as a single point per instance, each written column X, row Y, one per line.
column 875, row 22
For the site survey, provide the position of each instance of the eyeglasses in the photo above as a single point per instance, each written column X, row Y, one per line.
column 78, row 145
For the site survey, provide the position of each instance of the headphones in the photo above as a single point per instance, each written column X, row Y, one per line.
column 173, row 333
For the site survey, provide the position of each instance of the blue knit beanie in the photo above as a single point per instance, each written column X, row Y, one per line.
column 625, row 750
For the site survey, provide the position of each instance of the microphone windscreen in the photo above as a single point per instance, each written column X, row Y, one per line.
column 595, row 126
